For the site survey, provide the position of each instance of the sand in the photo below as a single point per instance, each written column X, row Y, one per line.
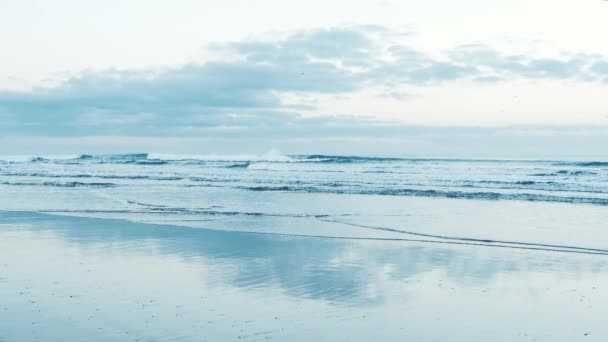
column 75, row 279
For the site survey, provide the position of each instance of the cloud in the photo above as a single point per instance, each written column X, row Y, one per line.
column 579, row 67
column 349, row 46
column 243, row 92
column 600, row 68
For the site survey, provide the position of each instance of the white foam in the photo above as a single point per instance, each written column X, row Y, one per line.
column 271, row 156
column 29, row 158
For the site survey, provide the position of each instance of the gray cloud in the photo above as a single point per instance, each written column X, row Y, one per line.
column 579, row 67
column 242, row 94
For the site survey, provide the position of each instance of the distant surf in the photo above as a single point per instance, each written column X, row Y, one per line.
column 584, row 182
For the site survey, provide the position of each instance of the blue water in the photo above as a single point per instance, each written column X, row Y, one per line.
column 544, row 181
column 555, row 205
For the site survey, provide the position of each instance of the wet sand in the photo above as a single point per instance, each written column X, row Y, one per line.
column 73, row 279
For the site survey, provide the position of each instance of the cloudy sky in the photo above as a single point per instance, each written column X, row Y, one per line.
column 500, row 78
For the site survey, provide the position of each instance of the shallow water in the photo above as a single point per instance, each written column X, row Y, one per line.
column 525, row 204
column 67, row 278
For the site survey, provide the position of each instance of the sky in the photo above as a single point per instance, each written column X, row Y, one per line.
column 436, row 78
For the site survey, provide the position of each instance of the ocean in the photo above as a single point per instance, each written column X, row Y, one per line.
column 519, row 203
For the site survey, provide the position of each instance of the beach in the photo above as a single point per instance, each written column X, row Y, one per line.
column 304, row 171
column 70, row 278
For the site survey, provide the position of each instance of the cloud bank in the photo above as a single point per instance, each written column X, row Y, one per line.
column 242, row 93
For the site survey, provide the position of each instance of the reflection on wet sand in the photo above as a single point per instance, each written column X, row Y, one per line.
column 109, row 279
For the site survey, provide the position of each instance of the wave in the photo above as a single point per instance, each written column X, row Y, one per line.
column 593, row 164
column 584, row 164
column 150, row 162
column 274, row 188
column 118, row 158
column 37, row 159
column 271, row 156
column 530, row 183
column 565, row 173
column 161, row 158
column 83, row 175
column 296, row 167
column 378, row 171
column 497, row 182
column 438, row 193
column 164, row 209
column 576, row 173
column 62, row 184
column 239, row 166
column 348, row 159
